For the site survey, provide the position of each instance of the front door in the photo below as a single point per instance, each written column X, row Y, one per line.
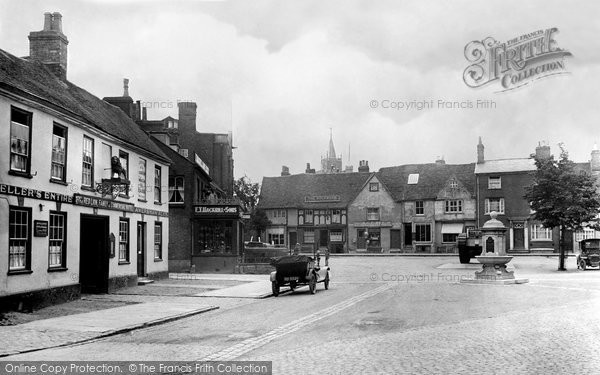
column 408, row 234
column 93, row 253
column 361, row 239
column 141, row 248
column 395, row 241
column 323, row 240
column 293, row 239
column 519, row 235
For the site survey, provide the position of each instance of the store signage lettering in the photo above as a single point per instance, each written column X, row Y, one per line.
column 216, row 209
column 34, row 193
column 321, row 198
column 84, row 200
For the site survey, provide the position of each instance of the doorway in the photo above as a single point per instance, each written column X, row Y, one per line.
column 408, row 234
column 141, row 249
column 93, row 253
column 395, row 241
column 293, row 239
column 519, row 236
column 323, row 240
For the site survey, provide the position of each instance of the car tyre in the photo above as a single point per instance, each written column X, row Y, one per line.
column 464, row 258
column 275, row 288
column 326, row 282
column 582, row 264
column 312, row 284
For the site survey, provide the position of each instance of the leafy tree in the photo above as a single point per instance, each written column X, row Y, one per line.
column 258, row 222
column 563, row 197
column 247, row 192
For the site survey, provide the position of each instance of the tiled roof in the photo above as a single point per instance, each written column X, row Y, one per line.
column 34, row 81
column 432, row 179
column 506, row 166
column 292, row 191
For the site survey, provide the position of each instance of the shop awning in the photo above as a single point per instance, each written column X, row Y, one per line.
column 452, row 228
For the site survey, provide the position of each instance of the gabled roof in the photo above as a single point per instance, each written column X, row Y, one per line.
column 506, row 166
column 432, row 178
column 34, row 81
column 292, row 191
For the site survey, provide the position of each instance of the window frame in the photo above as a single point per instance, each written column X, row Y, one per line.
column 312, row 232
column 373, row 214
column 29, row 116
column 27, row 254
column 421, row 208
column 142, row 183
column 126, row 258
column 157, row 184
column 501, row 206
column 536, row 229
column 173, row 188
column 83, row 162
column 52, row 162
column 426, row 233
column 63, row 254
column 496, row 184
column 158, row 224
column 373, row 186
column 453, row 206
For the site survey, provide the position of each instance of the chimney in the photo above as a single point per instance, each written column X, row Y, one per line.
column 480, row 158
column 125, row 87
column 144, row 114
column 595, row 163
column 309, row 169
column 542, row 151
column 124, row 102
column 440, row 161
column 49, row 46
column 285, row 171
column 187, row 117
column 363, row 166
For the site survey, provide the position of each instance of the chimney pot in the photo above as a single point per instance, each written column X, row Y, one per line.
column 56, row 24
column 47, row 21
column 144, row 113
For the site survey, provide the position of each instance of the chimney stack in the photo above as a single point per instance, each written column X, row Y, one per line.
column 285, row 171
column 187, row 117
column 440, row 161
column 309, row 169
column 542, row 151
column 363, row 166
column 49, row 46
column 480, row 158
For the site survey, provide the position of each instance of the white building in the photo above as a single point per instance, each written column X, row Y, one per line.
column 65, row 230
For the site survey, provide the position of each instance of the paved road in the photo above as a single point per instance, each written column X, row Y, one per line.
column 388, row 315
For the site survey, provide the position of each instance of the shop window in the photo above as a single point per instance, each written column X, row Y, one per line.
column 309, row 236
column 374, row 238
column 59, row 153
column 276, row 239
column 214, row 236
column 87, row 167
column 19, row 239
column 57, row 245
column 423, row 232
column 20, row 140
column 336, row 236
column 123, row 240
column 142, row 180
column 176, row 189
column 419, row 208
column 454, row 206
column 158, row 240
column 449, row 237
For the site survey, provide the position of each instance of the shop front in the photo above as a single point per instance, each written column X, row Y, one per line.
column 217, row 236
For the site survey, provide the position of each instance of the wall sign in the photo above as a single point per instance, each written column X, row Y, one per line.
column 227, row 210
column 34, row 193
column 40, row 228
column 107, row 204
column 321, row 198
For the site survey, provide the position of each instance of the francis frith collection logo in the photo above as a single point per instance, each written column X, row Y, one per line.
column 514, row 63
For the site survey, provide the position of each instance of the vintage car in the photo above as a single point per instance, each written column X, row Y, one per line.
column 590, row 253
column 295, row 270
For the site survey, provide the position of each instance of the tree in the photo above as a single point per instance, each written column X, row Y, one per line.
column 562, row 197
column 258, row 221
column 247, row 192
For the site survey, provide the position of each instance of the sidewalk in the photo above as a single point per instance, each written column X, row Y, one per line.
column 77, row 328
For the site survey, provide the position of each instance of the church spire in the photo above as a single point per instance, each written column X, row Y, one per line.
column 331, row 148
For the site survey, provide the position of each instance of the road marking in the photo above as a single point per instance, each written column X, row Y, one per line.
column 256, row 342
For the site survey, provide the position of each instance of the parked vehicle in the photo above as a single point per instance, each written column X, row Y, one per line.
column 590, row 253
column 469, row 245
column 296, row 270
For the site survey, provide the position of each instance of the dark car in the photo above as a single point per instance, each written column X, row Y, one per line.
column 590, row 253
column 469, row 245
column 296, row 270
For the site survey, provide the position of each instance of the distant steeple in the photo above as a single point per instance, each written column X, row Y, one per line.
column 331, row 147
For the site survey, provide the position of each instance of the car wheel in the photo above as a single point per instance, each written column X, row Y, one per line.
column 464, row 258
column 312, row 284
column 326, row 282
column 275, row 288
column 582, row 264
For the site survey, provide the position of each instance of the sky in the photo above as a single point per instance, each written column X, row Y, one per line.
column 280, row 75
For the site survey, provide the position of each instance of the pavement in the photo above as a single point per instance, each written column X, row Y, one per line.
column 143, row 310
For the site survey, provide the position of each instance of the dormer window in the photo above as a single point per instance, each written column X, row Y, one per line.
column 413, row 178
column 374, row 186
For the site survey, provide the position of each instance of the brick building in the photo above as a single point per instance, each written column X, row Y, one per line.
column 81, row 199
